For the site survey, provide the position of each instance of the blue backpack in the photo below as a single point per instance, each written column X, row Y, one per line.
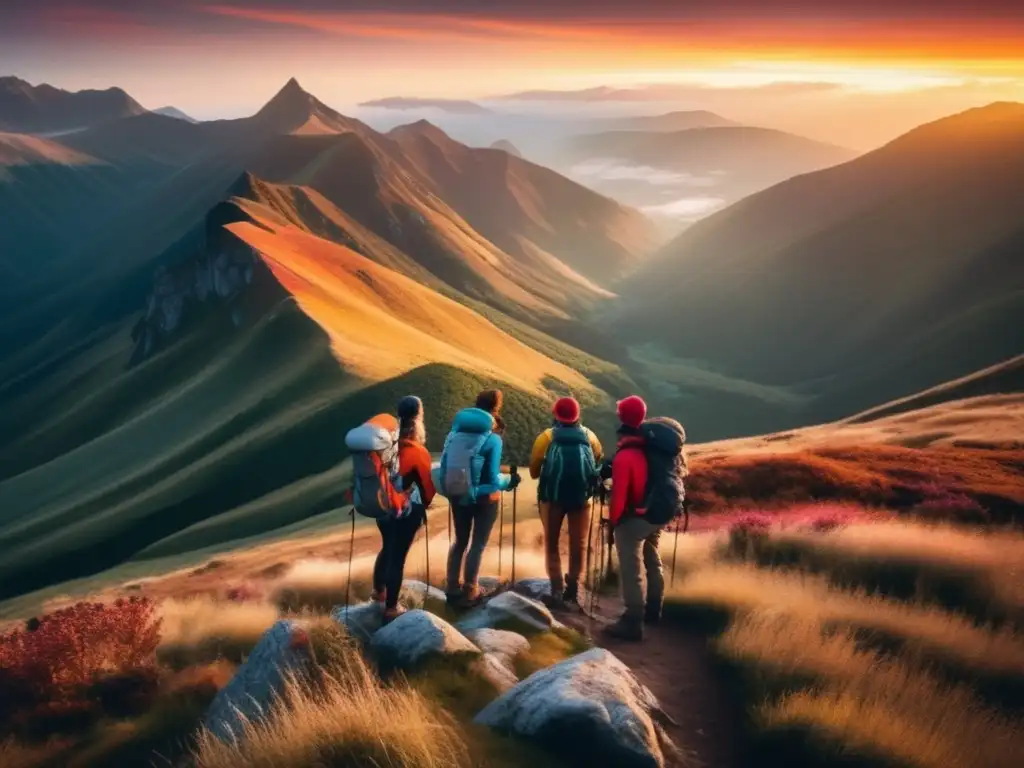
column 462, row 462
column 569, row 470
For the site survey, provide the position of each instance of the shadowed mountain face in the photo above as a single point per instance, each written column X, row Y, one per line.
column 872, row 280
column 25, row 108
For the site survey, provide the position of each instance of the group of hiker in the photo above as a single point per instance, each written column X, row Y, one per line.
column 395, row 481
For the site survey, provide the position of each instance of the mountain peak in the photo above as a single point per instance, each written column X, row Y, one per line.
column 291, row 102
column 423, row 128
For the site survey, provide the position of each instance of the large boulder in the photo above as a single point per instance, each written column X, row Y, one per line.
column 510, row 608
column 590, row 709
column 416, row 636
column 500, row 644
column 537, row 588
column 283, row 651
column 495, row 670
column 361, row 620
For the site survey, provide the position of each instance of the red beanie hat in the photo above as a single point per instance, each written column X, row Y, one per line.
column 567, row 410
column 632, row 411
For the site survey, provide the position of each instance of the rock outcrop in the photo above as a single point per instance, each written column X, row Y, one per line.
column 501, row 644
column 590, row 709
column 510, row 608
column 283, row 651
column 416, row 636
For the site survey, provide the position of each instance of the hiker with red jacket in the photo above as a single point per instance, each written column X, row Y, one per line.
column 647, row 495
column 417, row 486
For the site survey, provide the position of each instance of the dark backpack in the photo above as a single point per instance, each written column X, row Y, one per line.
column 666, row 467
column 569, row 470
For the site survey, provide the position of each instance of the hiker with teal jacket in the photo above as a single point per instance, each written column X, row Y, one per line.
column 471, row 478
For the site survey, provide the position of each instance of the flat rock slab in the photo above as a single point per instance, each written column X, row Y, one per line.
column 282, row 651
column 590, row 709
column 510, row 607
column 416, row 636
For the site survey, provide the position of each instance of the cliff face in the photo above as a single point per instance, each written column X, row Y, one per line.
column 216, row 277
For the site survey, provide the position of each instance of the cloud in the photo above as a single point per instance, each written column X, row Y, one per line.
column 686, row 208
column 617, row 170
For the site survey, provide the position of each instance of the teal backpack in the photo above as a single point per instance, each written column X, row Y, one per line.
column 569, row 470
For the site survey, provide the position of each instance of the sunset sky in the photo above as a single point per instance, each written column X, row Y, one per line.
column 856, row 71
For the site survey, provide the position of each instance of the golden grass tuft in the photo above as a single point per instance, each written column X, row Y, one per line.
column 858, row 699
column 352, row 719
column 942, row 636
column 203, row 629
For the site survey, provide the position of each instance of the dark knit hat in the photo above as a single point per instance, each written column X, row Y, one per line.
column 632, row 411
column 566, row 410
column 490, row 400
column 409, row 407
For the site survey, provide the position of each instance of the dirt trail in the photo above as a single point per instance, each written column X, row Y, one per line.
column 677, row 666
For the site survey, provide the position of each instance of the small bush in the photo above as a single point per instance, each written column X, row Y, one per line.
column 60, row 672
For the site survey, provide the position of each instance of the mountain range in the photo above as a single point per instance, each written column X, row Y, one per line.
column 196, row 312
column 25, row 108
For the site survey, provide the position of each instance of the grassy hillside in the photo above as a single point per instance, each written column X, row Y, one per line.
column 860, row 283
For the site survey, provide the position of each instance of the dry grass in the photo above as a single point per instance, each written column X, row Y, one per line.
column 202, row 629
column 978, row 572
column 353, row 719
column 948, row 638
column 548, row 648
column 857, row 699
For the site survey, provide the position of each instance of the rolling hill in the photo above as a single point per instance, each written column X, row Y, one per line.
column 856, row 284
column 668, row 122
column 185, row 366
column 25, row 108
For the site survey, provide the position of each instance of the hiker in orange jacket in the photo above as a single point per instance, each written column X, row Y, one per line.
column 398, row 534
column 567, row 477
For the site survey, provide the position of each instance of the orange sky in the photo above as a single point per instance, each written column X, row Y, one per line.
column 226, row 57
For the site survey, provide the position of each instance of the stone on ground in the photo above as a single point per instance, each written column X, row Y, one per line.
column 361, row 620
column 590, row 709
column 536, row 588
column 283, row 651
column 415, row 593
column 510, row 607
column 503, row 645
column 494, row 669
column 417, row 635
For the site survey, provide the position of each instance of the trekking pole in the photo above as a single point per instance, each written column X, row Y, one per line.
column 426, row 540
column 590, row 547
column 513, row 470
column 675, row 550
column 351, row 554
column 501, row 532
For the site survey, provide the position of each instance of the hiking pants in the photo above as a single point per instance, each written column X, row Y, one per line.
column 475, row 521
column 552, row 515
column 636, row 540
column 397, row 536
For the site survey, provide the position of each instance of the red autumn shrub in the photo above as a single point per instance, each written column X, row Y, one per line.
column 65, row 667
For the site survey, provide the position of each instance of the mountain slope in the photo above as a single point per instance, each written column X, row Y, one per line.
column 863, row 282
column 25, row 108
column 670, row 121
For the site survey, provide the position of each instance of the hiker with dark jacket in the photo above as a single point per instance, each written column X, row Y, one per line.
column 637, row 539
column 473, row 482
column 398, row 533
column 565, row 460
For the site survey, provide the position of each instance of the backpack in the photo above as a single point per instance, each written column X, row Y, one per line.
column 375, row 471
column 666, row 467
column 569, row 469
column 462, row 462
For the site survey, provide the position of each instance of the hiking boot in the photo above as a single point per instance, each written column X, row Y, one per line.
column 454, row 599
column 652, row 614
column 390, row 614
column 471, row 595
column 571, row 594
column 627, row 628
